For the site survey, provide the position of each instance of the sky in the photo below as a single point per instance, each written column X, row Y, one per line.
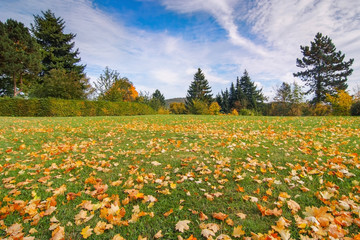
column 160, row 44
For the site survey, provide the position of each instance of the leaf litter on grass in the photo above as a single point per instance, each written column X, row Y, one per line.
column 179, row 177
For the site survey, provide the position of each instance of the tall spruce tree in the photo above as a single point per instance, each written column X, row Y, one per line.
column 57, row 46
column 59, row 58
column 19, row 56
column 325, row 69
column 253, row 97
column 199, row 90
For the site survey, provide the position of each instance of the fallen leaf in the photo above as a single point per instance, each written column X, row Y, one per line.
column 181, row 226
column 238, row 232
column 86, row 232
column 220, row 216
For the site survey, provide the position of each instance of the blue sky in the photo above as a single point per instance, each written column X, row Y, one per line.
column 159, row 44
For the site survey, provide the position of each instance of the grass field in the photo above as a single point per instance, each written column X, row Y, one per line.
column 180, row 177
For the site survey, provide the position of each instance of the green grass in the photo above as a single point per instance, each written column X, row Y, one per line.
column 197, row 155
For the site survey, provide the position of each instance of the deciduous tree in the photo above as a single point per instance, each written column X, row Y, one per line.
column 19, row 56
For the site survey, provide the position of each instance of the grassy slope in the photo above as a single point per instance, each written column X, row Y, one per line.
column 198, row 154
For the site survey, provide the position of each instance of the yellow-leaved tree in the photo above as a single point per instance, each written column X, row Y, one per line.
column 340, row 102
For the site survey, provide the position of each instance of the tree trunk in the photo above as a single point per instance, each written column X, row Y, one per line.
column 14, row 79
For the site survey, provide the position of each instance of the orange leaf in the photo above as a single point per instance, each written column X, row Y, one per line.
column 168, row 212
column 220, row 216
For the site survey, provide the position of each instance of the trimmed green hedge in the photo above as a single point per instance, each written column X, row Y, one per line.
column 52, row 107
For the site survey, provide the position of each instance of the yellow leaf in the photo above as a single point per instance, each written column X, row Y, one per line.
column 238, row 232
column 86, row 232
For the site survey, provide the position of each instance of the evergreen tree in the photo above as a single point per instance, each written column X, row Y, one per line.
column 57, row 46
column 19, row 56
column 223, row 99
column 253, row 96
column 199, row 90
column 232, row 96
column 157, row 100
column 325, row 69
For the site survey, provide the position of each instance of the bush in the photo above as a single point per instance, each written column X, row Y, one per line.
column 214, row 108
column 177, row 108
column 247, row 112
column 355, row 109
column 320, row 109
column 163, row 111
column 234, row 112
column 199, row 108
column 65, row 108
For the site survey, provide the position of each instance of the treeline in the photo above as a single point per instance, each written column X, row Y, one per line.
column 41, row 63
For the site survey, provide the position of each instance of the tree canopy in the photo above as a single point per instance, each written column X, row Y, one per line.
column 19, row 56
column 325, row 70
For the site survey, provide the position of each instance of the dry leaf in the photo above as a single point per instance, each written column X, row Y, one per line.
column 181, row 226
column 220, row 216
column 238, row 232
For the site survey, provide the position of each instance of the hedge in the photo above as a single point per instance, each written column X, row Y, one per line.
column 52, row 107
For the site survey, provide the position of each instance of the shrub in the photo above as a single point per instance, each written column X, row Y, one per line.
column 66, row 108
column 341, row 103
column 163, row 111
column 214, row 108
column 355, row 109
column 247, row 112
column 177, row 108
column 199, row 108
column 321, row 109
column 234, row 112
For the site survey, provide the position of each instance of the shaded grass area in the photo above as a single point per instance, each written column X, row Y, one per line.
column 186, row 164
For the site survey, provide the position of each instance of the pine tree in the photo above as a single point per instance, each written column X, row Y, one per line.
column 325, row 69
column 19, row 56
column 57, row 46
column 223, row 99
column 253, row 96
column 199, row 90
column 157, row 100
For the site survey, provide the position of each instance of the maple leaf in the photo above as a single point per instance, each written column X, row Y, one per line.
column 202, row 216
column 230, row 222
column 86, row 232
column 241, row 215
column 158, row 234
column 223, row 237
column 118, row 237
column 293, row 206
column 220, row 216
column 101, row 227
column 58, row 233
column 207, row 233
column 14, row 229
column 238, row 232
column 181, row 226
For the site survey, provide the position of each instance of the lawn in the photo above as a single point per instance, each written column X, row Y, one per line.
column 180, row 177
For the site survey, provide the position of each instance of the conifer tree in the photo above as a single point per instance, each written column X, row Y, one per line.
column 59, row 58
column 325, row 70
column 253, row 96
column 199, row 90
column 57, row 46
